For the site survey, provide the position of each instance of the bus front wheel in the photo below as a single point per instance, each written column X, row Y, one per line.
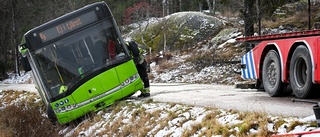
column 301, row 72
column 51, row 115
column 271, row 74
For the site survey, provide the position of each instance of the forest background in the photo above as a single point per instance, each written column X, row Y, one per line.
column 19, row 16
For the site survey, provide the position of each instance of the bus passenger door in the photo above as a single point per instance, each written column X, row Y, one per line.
column 104, row 84
column 129, row 78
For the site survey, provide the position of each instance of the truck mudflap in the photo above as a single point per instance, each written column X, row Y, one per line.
column 248, row 70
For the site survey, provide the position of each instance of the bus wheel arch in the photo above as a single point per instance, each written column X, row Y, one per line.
column 271, row 74
column 301, row 72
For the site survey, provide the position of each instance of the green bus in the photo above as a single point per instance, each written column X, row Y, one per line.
column 79, row 62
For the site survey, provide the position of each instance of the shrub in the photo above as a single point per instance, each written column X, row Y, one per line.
column 25, row 119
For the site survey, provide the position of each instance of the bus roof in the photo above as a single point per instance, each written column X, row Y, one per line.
column 58, row 19
column 65, row 24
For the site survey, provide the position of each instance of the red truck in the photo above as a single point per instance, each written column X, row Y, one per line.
column 279, row 62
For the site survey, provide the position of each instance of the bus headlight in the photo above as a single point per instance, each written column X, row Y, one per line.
column 65, row 108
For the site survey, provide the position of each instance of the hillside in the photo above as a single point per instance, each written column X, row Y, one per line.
column 193, row 47
column 193, row 50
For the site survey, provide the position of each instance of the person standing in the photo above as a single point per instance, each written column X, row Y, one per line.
column 141, row 64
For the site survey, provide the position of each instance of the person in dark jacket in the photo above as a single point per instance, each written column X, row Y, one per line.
column 141, row 64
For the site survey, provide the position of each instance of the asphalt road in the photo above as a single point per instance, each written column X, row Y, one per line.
column 227, row 97
column 217, row 96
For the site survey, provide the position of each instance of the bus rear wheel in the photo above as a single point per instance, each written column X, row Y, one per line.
column 271, row 74
column 301, row 72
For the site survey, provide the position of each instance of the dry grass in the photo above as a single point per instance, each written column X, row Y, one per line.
column 24, row 119
column 10, row 95
column 313, row 124
column 194, row 129
column 141, row 122
column 137, row 123
column 164, row 62
column 254, row 120
column 213, row 126
column 299, row 20
column 209, row 127
column 217, row 129
column 166, row 65
column 251, row 120
column 294, row 124
column 278, row 123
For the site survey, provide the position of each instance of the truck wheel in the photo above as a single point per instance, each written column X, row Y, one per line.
column 271, row 74
column 301, row 72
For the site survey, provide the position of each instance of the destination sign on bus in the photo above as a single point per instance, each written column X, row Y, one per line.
column 68, row 26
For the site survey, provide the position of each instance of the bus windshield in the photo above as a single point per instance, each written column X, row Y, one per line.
column 65, row 62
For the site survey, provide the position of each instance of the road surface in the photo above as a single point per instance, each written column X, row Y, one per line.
column 217, row 96
column 227, row 97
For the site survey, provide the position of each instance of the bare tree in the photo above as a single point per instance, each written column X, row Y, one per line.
column 13, row 34
column 209, row 6
column 214, row 7
column 200, row 6
column 165, row 7
column 249, row 17
column 180, row 5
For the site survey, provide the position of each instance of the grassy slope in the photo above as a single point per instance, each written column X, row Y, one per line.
column 21, row 114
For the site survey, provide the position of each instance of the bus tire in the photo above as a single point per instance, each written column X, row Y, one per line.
column 51, row 115
column 25, row 63
column 271, row 74
column 301, row 72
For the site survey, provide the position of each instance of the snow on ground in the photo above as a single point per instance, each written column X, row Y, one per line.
column 25, row 77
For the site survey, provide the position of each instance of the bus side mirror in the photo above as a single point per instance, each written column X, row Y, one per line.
column 22, row 49
column 25, row 63
column 23, row 58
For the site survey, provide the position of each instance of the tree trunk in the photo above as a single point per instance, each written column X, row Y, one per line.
column 164, row 42
column 164, row 7
column 13, row 33
column 259, row 16
column 180, row 5
column 168, row 7
column 200, row 6
column 248, row 14
column 209, row 6
column 213, row 7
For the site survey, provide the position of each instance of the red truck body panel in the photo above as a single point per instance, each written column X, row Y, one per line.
column 284, row 44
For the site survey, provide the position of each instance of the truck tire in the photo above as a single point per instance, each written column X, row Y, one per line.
column 301, row 72
column 271, row 74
